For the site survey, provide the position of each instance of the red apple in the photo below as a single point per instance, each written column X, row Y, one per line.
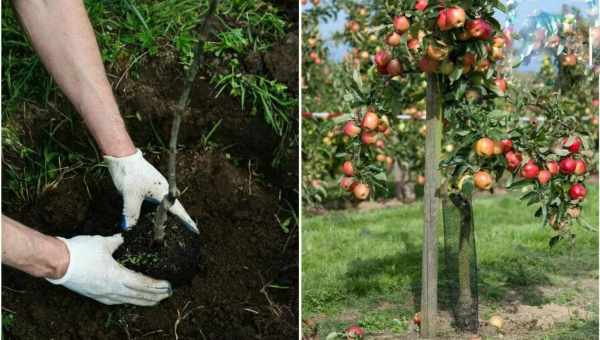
column 577, row 191
column 428, row 66
column 530, row 170
column 544, row 177
column 394, row 68
column 553, row 167
column 479, row 29
column 355, row 332
column 455, row 17
column 351, row 130
column 501, row 83
column 421, row 5
column 513, row 160
column 348, row 169
column 506, row 145
column 574, row 146
column 382, row 58
column 449, row 18
column 368, row 137
column 580, row 167
column 442, row 20
column 346, row 183
column 401, row 24
column 380, row 144
column 413, row 43
column 567, row 165
column 370, row 121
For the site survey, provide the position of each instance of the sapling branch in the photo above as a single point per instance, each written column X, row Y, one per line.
column 181, row 108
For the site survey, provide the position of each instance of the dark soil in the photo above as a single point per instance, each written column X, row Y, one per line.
column 237, row 280
column 177, row 258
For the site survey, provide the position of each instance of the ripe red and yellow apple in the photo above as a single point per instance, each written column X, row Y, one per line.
column 483, row 180
column 580, row 167
column 401, row 24
column 484, row 147
column 361, row 191
column 553, row 167
column 544, row 177
column 351, row 129
column 370, row 121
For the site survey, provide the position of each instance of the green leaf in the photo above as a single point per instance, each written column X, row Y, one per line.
column 468, row 186
column 455, row 75
column 381, row 177
column 519, row 184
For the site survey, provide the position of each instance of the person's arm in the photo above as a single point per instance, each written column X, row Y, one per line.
column 61, row 33
column 83, row 264
column 33, row 252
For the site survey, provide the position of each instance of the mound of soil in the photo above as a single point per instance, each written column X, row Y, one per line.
column 176, row 258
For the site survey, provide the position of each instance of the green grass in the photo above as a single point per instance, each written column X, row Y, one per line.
column 129, row 32
column 364, row 267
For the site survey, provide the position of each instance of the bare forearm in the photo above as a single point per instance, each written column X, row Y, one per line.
column 62, row 35
column 33, row 252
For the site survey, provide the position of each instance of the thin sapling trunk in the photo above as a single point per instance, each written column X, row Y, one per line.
column 182, row 107
column 466, row 306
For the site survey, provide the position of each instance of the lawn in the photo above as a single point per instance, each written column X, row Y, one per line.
column 364, row 267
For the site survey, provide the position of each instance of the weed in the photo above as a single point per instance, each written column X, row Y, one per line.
column 205, row 141
column 8, row 321
column 140, row 260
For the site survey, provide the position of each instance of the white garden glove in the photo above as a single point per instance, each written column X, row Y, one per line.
column 94, row 273
column 137, row 180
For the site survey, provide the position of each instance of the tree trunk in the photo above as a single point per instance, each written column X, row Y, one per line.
column 466, row 305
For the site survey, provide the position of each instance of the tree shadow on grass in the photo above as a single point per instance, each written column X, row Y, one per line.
column 503, row 280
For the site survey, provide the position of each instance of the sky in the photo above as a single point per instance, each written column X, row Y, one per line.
column 525, row 8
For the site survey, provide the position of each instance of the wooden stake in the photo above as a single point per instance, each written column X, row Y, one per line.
column 433, row 145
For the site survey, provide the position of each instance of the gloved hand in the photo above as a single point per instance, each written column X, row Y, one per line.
column 94, row 273
column 137, row 180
